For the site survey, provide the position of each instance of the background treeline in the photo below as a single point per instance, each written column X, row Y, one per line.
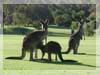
column 62, row 15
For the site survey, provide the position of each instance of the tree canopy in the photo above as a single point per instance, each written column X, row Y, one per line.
column 63, row 15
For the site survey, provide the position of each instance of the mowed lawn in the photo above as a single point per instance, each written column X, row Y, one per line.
column 13, row 45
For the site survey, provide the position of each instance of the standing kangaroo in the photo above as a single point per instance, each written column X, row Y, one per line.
column 30, row 43
column 44, row 27
column 51, row 47
column 75, row 38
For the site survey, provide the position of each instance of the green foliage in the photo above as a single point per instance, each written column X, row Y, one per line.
column 63, row 20
column 64, row 15
column 89, row 29
column 59, row 20
column 74, row 25
column 36, row 24
column 20, row 19
column 24, row 14
column 91, row 25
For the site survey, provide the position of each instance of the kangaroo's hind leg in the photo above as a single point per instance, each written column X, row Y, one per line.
column 75, row 50
column 36, row 53
column 23, row 53
column 56, row 57
column 76, row 47
column 49, row 56
column 31, row 54
column 43, row 53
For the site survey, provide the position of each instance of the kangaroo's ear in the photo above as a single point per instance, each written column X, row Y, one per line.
column 46, row 21
column 42, row 22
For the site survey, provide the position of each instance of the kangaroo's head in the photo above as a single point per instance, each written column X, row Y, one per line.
column 44, row 24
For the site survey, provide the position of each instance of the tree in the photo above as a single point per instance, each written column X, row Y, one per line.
column 64, row 15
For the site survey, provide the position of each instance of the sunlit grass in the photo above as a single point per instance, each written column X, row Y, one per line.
column 13, row 43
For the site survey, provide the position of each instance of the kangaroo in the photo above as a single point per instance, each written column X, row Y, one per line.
column 75, row 38
column 44, row 27
column 30, row 43
column 51, row 47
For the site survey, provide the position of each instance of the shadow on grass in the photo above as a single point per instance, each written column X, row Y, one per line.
column 75, row 54
column 68, row 62
column 93, row 54
column 83, row 54
column 55, row 34
column 16, row 30
column 88, row 54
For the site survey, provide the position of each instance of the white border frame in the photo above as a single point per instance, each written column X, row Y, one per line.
column 54, row 72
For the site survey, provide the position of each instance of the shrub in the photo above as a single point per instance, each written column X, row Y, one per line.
column 74, row 25
column 36, row 24
column 89, row 29
column 16, row 30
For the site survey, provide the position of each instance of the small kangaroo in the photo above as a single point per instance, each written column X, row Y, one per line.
column 51, row 47
column 75, row 38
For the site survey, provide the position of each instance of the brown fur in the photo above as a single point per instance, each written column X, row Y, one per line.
column 51, row 47
column 30, row 43
column 75, row 38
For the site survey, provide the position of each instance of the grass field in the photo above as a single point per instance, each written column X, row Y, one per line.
column 13, row 43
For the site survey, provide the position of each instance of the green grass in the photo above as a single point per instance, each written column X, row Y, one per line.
column 13, row 43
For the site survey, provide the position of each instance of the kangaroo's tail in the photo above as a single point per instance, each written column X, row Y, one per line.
column 71, row 45
column 61, row 58
column 70, row 61
column 14, row 58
